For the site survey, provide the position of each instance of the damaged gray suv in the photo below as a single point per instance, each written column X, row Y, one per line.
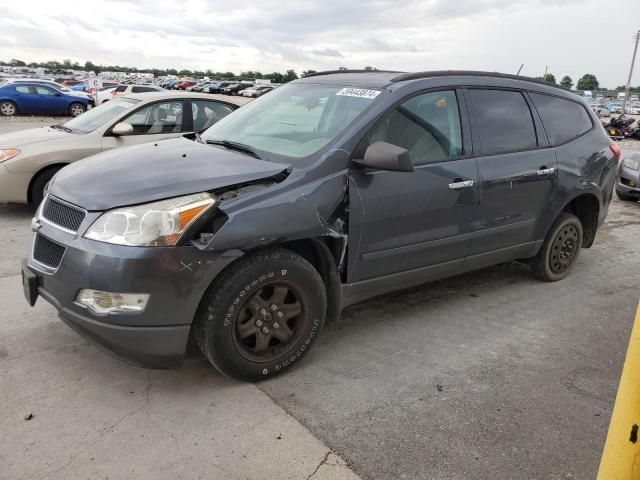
column 330, row 190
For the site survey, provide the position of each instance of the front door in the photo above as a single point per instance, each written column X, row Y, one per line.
column 518, row 175
column 153, row 122
column 401, row 221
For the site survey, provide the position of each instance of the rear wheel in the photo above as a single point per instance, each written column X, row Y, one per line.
column 560, row 250
column 76, row 109
column 8, row 108
column 262, row 315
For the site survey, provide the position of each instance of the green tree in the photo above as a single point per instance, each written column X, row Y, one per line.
column 308, row 72
column 588, row 82
column 290, row 75
column 17, row 63
column 566, row 82
column 548, row 77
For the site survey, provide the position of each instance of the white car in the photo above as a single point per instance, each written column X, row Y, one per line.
column 30, row 158
column 49, row 83
column 633, row 109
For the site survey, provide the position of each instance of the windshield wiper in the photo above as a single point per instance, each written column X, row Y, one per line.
column 241, row 147
column 62, row 127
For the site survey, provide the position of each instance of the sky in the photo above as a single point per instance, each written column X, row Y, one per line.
column 570, row 37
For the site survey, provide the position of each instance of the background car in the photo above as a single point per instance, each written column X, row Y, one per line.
column 36, row 98
column 628, row 178
column 40, row 152
column 256, row 91
column 126, row 90
column 235, row 88
column 216, row 87
column 50, row 83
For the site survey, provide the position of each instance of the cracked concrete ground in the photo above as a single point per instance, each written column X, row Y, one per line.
column 95, row 417
column 488, row 375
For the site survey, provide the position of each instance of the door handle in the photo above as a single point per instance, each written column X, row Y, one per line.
column 461, row 184
column 545, row 171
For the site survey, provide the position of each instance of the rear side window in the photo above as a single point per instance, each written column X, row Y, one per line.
column 563, row 119
column 503, row 121
column 22, row 89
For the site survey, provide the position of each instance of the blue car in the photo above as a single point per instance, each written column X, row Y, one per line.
column 34, row 98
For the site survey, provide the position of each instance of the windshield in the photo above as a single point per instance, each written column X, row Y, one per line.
column 293, row 121
column 98, row 116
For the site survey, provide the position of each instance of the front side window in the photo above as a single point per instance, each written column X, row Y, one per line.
column 98, row 116
column 206, row 113
column 295, row 121
column 503, row 121
column 162, row 117
column 563, row 119
column 427, row 125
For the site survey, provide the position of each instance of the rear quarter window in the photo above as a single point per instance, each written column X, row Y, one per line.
column 563, row 119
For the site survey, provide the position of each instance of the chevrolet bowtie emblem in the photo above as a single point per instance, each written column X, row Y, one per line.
column 35, row 224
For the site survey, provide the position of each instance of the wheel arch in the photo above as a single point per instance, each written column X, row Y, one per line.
column 585, row 206
column 48, row 168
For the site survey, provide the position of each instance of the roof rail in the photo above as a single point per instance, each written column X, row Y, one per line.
column 472, row 73
column 330, row 72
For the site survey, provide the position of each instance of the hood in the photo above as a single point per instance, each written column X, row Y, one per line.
column 155, row 171
column 32, row 135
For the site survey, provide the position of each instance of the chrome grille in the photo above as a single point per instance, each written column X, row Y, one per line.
column 62, row 214
column 47, row 252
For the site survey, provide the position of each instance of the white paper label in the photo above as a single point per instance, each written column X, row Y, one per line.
column 358, row 92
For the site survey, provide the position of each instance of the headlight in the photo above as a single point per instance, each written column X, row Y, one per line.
column 631, row 163
column 8, row 153
column 157, row 224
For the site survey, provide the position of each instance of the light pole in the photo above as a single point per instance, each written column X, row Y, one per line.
column 636, row 37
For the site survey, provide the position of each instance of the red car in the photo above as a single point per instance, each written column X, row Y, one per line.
column 184, row 84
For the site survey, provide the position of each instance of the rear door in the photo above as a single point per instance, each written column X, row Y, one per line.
column 400, row 221
column 27, row 99
column 518, row 172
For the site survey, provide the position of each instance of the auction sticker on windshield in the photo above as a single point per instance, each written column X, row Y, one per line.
column 358, row 92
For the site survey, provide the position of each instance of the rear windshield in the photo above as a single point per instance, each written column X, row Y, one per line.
column 295, row 121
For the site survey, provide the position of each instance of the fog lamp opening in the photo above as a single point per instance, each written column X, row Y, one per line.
column 110, row 302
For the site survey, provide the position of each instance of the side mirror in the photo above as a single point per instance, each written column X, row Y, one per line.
column 122, row 129
column 385, row 156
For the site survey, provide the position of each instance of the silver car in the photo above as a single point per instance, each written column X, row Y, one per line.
column 30, row 158
column 628, row 178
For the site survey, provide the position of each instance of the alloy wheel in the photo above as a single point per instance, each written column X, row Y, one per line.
column 269, row 322
column 7, row 108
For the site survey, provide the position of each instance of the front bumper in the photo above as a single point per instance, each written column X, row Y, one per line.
column 176, row 279
column 628, row 182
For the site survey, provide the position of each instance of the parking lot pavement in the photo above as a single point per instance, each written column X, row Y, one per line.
column 95, row 417
column 488, row 375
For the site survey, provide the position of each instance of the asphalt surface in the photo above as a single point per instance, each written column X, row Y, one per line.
column 489, row 375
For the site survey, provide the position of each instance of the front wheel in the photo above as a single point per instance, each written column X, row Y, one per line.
column 40, row 183
column 76, row 109
column 560, row 250
column 623, row 196
column 262, row 315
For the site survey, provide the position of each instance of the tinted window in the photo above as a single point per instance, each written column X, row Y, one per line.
column 163, row 117
column 503, row 121
column 427, row 125
column 207, row 113
column 142, row 89
column 121, row 88
column 563, row 120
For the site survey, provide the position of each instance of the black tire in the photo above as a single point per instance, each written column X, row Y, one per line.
column 76, row 109
column 8, row 109
column 622, row 196
column 560, row 250
column 39, row 184
column 230, row 324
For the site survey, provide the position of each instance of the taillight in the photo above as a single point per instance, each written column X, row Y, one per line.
column 615, row 149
